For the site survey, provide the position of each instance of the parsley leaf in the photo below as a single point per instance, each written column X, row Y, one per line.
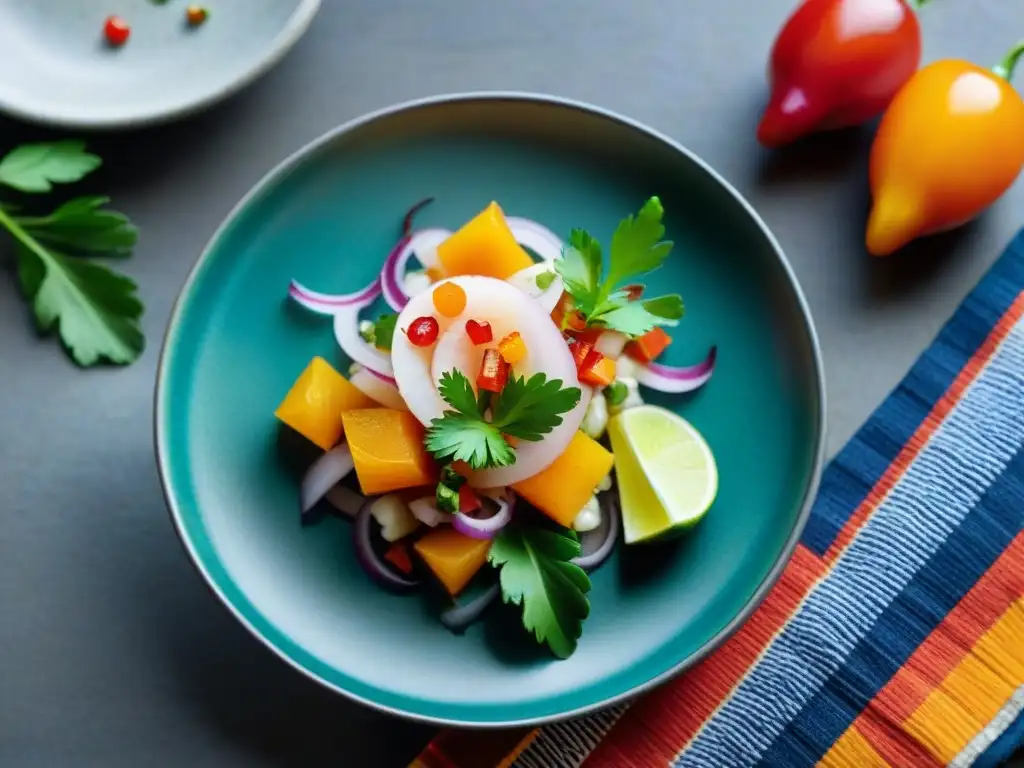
column 526, row 408
column 459, row 437
column 530, row 408
column 384, row 331
column 37, row 167
column 95, row 309
column 637, row 248
column 537, row 574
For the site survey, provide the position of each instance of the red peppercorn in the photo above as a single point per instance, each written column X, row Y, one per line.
column 479, row 332
column 116, row 30
column 423, row 331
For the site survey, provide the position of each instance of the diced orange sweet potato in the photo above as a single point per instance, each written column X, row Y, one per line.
column 453, row 558
column 562, row 490
column 484, row 246
column 387, row 450
column 314, row 405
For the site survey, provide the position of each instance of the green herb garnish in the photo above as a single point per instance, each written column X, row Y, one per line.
column 537, row 574
column 544, row 280
column 526, row 408
column 447, row 493
column 616, row 393
column 637, row 248
column 95, row 309
column 384, row 331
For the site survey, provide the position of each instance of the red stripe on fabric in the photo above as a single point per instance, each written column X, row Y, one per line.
column 927, row 428
column 655, row 728
column 936, row 657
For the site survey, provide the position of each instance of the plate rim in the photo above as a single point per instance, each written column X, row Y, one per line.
column 290, row 34
column 288, row 164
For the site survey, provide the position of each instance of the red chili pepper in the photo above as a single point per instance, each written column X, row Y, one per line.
column 580, row 350
column 117, row 31
column 838, row 63
column 597, row 370
column 423, row 331
column 493, row 372
column 468, row 501
column 398, row 556
column 479, row 332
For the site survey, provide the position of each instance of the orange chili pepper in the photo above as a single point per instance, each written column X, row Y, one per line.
column 950, row 145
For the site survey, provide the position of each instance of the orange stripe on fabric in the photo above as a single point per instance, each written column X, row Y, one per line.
column 472, row 749
column 657, row 726
column 974, row 692
column 853, row 751
column 927, row 428
column 937, row 656
column 526, row 741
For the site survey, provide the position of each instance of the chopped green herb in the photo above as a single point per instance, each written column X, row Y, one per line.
column 616, row 393
column 95, row 309
column 537, row 574
column 544, row 280
column 637, row 248
column 525, row 408
column 384, row 331
column 447, row 493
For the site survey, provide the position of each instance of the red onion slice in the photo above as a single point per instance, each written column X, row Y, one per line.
column 597, row 545
column 330, row 304
column 325, row 473
column 665, row 378
column 536, row 237
column 423, row 245
column 486, row 527
column 377, row 568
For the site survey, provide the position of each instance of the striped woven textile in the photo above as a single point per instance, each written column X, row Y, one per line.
column 896, row 635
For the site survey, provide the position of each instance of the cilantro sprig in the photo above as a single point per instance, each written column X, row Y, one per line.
column 537, row 573
column 95, row 309
column 526, row 409
column 637, row 248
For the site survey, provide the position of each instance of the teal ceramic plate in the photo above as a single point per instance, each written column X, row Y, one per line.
column 57, row 68
column 327, row 217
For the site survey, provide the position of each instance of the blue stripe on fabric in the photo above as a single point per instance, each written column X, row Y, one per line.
column 951, row 474
column 1003, row 748
column 864, row 459
column 957, row 566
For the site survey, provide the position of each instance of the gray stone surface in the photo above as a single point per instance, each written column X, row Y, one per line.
column 111, row 651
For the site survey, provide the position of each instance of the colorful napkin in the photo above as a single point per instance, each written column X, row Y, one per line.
column 896, row 635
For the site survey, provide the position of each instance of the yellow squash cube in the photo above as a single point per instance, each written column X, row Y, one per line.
column 562, row 490
column 484, row 246
column 453, row 558
column 314, row 405
column 387, row 450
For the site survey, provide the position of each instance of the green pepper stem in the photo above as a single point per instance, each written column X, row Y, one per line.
column 1006, row 67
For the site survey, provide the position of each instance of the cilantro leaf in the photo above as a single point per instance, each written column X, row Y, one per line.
column 537, row 574
column 461, row 437
column 95, row 309
column 457, row 391
column 530, row 408
column 580, row 269
column 637, row 246
column 636, row 318
column 82, row 227
column 37, row 167
column 384, row 331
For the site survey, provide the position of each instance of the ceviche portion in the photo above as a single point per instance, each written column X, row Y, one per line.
column 475, row 440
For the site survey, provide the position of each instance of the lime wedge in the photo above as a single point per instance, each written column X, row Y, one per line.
column 666, row 473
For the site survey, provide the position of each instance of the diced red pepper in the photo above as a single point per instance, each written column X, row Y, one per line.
column 597, row 370
column 493, row 372
column 564, row 305
column 398, row 556
column 590, row 335
column 479, row 332
column 468, row 501
column 575, row 320
column 646, row 348
column 580, row 350
column 634, row 292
